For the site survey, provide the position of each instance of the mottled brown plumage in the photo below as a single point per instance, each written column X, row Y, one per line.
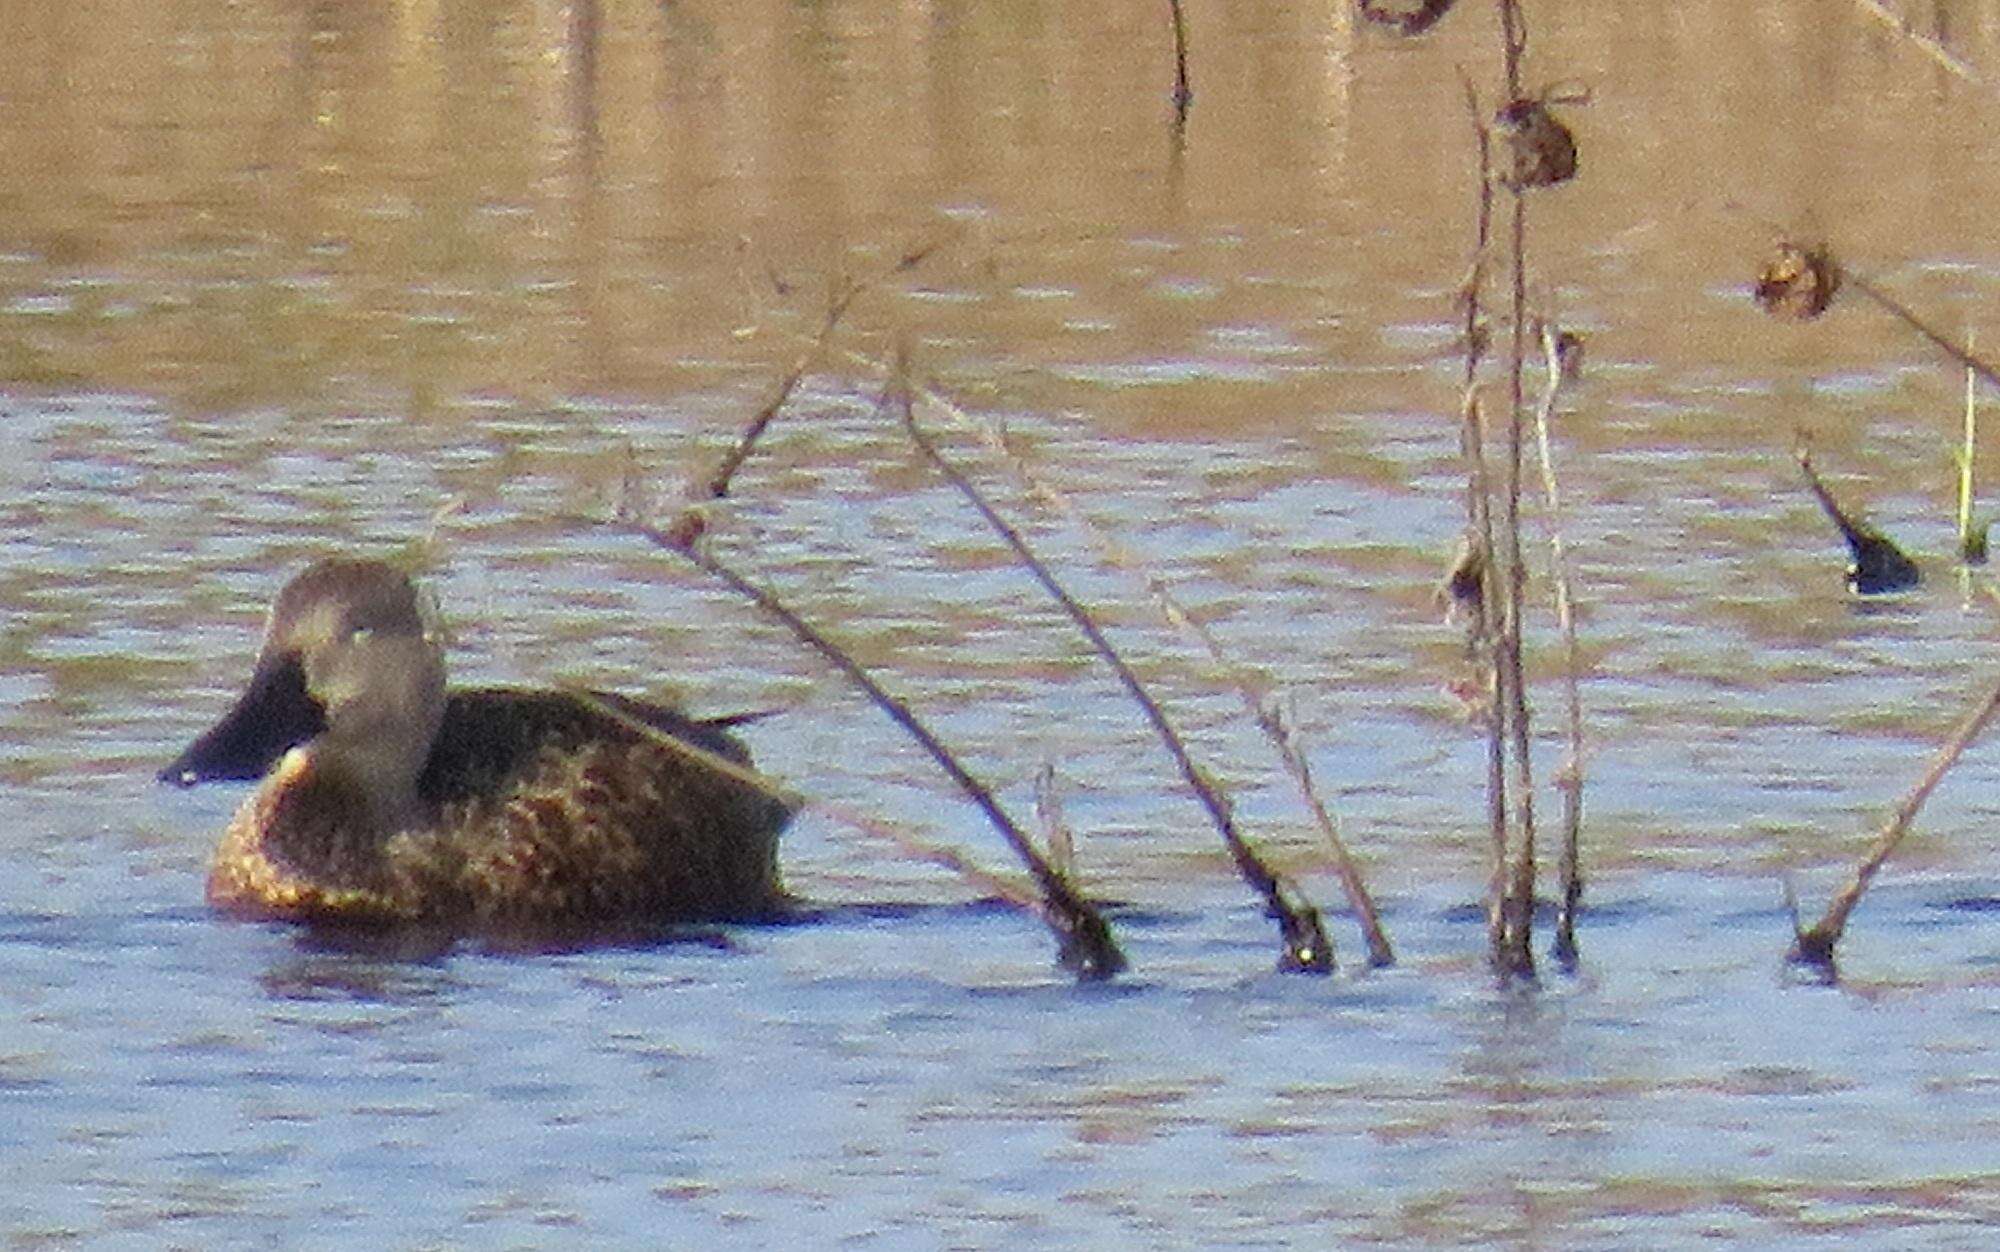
column 388, row 801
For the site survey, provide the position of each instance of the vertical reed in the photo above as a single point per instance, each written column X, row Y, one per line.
column 1183, row 92
column 1971, row 539
column 1483, row 601
column 1570, row 778
column 1514, row 957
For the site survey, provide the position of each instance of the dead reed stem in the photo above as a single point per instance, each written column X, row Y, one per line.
column 1261, row 710
column 842, row 298
column 1971, row 548
column 1937, row 339
column 1814, row 945
column 1306, row 948
column 1570, row 778
column 1931, row 48
column 1056, row 834
column 983, row 880
column 1515, row 957
column 1802, row 453
column 1084, row 940
column 694, row 752
column 717, row 484
column 1481, row 635
column 1183, row 92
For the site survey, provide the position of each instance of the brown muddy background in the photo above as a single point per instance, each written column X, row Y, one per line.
column 279, row 279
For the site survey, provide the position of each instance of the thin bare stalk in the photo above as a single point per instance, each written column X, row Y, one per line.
column 842, row 298
column 1084, row 939
column 1183, row 92
column 982, row 880
column 1971, row 544
column 1814, row 946
column 1057, row 836
column 1516, row 956
column 1306, row 948
column 1972, row 547
column 1931, row 48
column 1481, row 633
column 692, row 751
column 1278, row 731
column 717, row 484
column 1937, row 338
column 1570, row 778
column 1176, row 615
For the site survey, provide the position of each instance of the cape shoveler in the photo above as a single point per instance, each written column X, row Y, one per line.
column 386, row 799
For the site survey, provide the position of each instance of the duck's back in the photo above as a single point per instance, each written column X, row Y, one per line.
column 547, row 809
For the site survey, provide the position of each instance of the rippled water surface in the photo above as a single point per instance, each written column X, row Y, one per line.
column 449, row 280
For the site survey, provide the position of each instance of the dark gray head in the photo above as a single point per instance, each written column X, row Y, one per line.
column 351, row 670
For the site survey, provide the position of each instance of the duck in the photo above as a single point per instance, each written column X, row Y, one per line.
column 384, row 798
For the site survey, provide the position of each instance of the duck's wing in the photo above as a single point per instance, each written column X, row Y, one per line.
column 491, row 734
column 708, row 733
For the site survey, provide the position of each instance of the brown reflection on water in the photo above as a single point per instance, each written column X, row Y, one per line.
column 399, row 205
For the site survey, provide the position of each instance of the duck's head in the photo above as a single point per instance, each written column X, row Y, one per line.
column 351, row 671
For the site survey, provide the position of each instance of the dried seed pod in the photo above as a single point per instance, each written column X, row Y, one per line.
column 1798, row 283
column 1567, row 346
column 1569, row 355
column 1463, row 584
column 1405, row 17
column 1543, row 151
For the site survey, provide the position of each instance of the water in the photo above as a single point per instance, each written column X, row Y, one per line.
column 278, row 281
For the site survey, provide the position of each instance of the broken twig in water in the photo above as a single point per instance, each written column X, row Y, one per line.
column 1876, row 566
column 1814, row 945
column 1306, row 948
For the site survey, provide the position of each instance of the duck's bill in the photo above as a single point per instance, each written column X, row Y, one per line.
column 273, row 716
